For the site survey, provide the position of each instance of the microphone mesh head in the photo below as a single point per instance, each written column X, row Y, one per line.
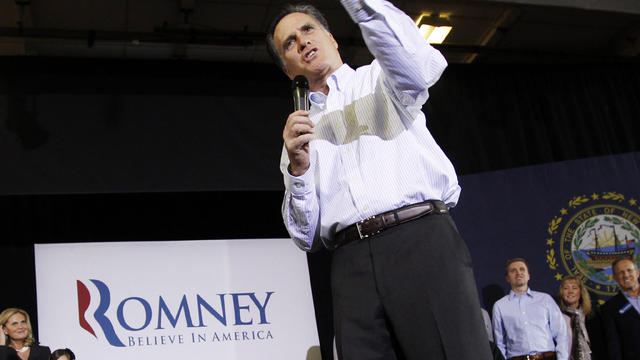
column 300, row 82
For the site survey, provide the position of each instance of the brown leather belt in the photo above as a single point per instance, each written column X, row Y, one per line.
column 534, row 356
column 378, row 223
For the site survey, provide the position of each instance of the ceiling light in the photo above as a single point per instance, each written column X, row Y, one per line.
column 438, row 34
column 434, row 27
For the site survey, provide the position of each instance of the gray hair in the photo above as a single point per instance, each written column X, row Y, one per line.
column 298, row 8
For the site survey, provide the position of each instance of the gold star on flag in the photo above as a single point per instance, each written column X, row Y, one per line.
column 594, row 196
column 633, row 201
column 563, row 211
column 550, row 242
column 558, row 276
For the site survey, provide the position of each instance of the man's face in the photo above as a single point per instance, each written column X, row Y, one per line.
column 305, row 47
column 626, row 274
column 517, row 274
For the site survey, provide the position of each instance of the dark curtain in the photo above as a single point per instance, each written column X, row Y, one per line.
column 504, row 116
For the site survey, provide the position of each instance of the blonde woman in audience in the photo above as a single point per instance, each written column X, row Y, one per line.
column 575, row 303
column 16, row 340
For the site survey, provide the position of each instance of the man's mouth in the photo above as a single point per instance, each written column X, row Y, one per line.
column 308, row 56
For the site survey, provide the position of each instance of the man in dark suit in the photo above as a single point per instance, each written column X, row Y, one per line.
column 621, row 314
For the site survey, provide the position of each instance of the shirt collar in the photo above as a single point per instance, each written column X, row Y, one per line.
column 340, row 77
column 629, row 296
column 335, row 81
column 513, row 294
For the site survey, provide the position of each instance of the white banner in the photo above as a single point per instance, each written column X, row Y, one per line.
column 222, row 299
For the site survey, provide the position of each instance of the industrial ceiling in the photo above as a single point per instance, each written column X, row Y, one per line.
column 223, row 31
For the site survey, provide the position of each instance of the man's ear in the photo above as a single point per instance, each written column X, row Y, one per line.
column 335, row 43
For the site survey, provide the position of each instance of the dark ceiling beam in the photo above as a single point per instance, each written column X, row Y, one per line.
column 245, row 39
column 621, row 6
column 188, row 37
column 539, row 55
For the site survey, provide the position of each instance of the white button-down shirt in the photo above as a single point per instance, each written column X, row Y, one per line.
column 372, row 151
column 633, row 300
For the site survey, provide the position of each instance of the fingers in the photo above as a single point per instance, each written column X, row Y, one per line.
column 297, row 134
column 299, row 118
column 299, row 142
column 298, row 129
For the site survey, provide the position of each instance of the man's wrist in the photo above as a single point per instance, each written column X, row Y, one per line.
column 298, row 171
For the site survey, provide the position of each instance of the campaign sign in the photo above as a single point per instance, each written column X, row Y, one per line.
column 222, row 299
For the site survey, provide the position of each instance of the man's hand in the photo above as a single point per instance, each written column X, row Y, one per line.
column 298, row 131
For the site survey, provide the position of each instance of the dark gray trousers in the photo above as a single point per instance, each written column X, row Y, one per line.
column 408, row 293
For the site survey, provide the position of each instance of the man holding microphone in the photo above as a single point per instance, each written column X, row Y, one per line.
column 365, row 178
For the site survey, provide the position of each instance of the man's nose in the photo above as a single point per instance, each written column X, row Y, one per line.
column 303, row 43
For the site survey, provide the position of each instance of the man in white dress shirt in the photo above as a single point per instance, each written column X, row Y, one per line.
column 365, row 178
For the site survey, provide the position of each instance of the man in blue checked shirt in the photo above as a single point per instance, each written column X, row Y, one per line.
column 528, row 324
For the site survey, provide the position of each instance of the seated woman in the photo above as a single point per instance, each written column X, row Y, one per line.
column 16, row 340
column 62, row 354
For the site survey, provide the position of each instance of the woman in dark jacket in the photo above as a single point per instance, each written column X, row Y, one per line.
column 16, row 340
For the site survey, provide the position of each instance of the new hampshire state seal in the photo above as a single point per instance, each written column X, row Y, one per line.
column 589, row 233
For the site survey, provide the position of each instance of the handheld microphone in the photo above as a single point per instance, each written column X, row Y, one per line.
column 300, row 91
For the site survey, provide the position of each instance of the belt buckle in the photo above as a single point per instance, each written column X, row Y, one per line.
column 359, row 224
